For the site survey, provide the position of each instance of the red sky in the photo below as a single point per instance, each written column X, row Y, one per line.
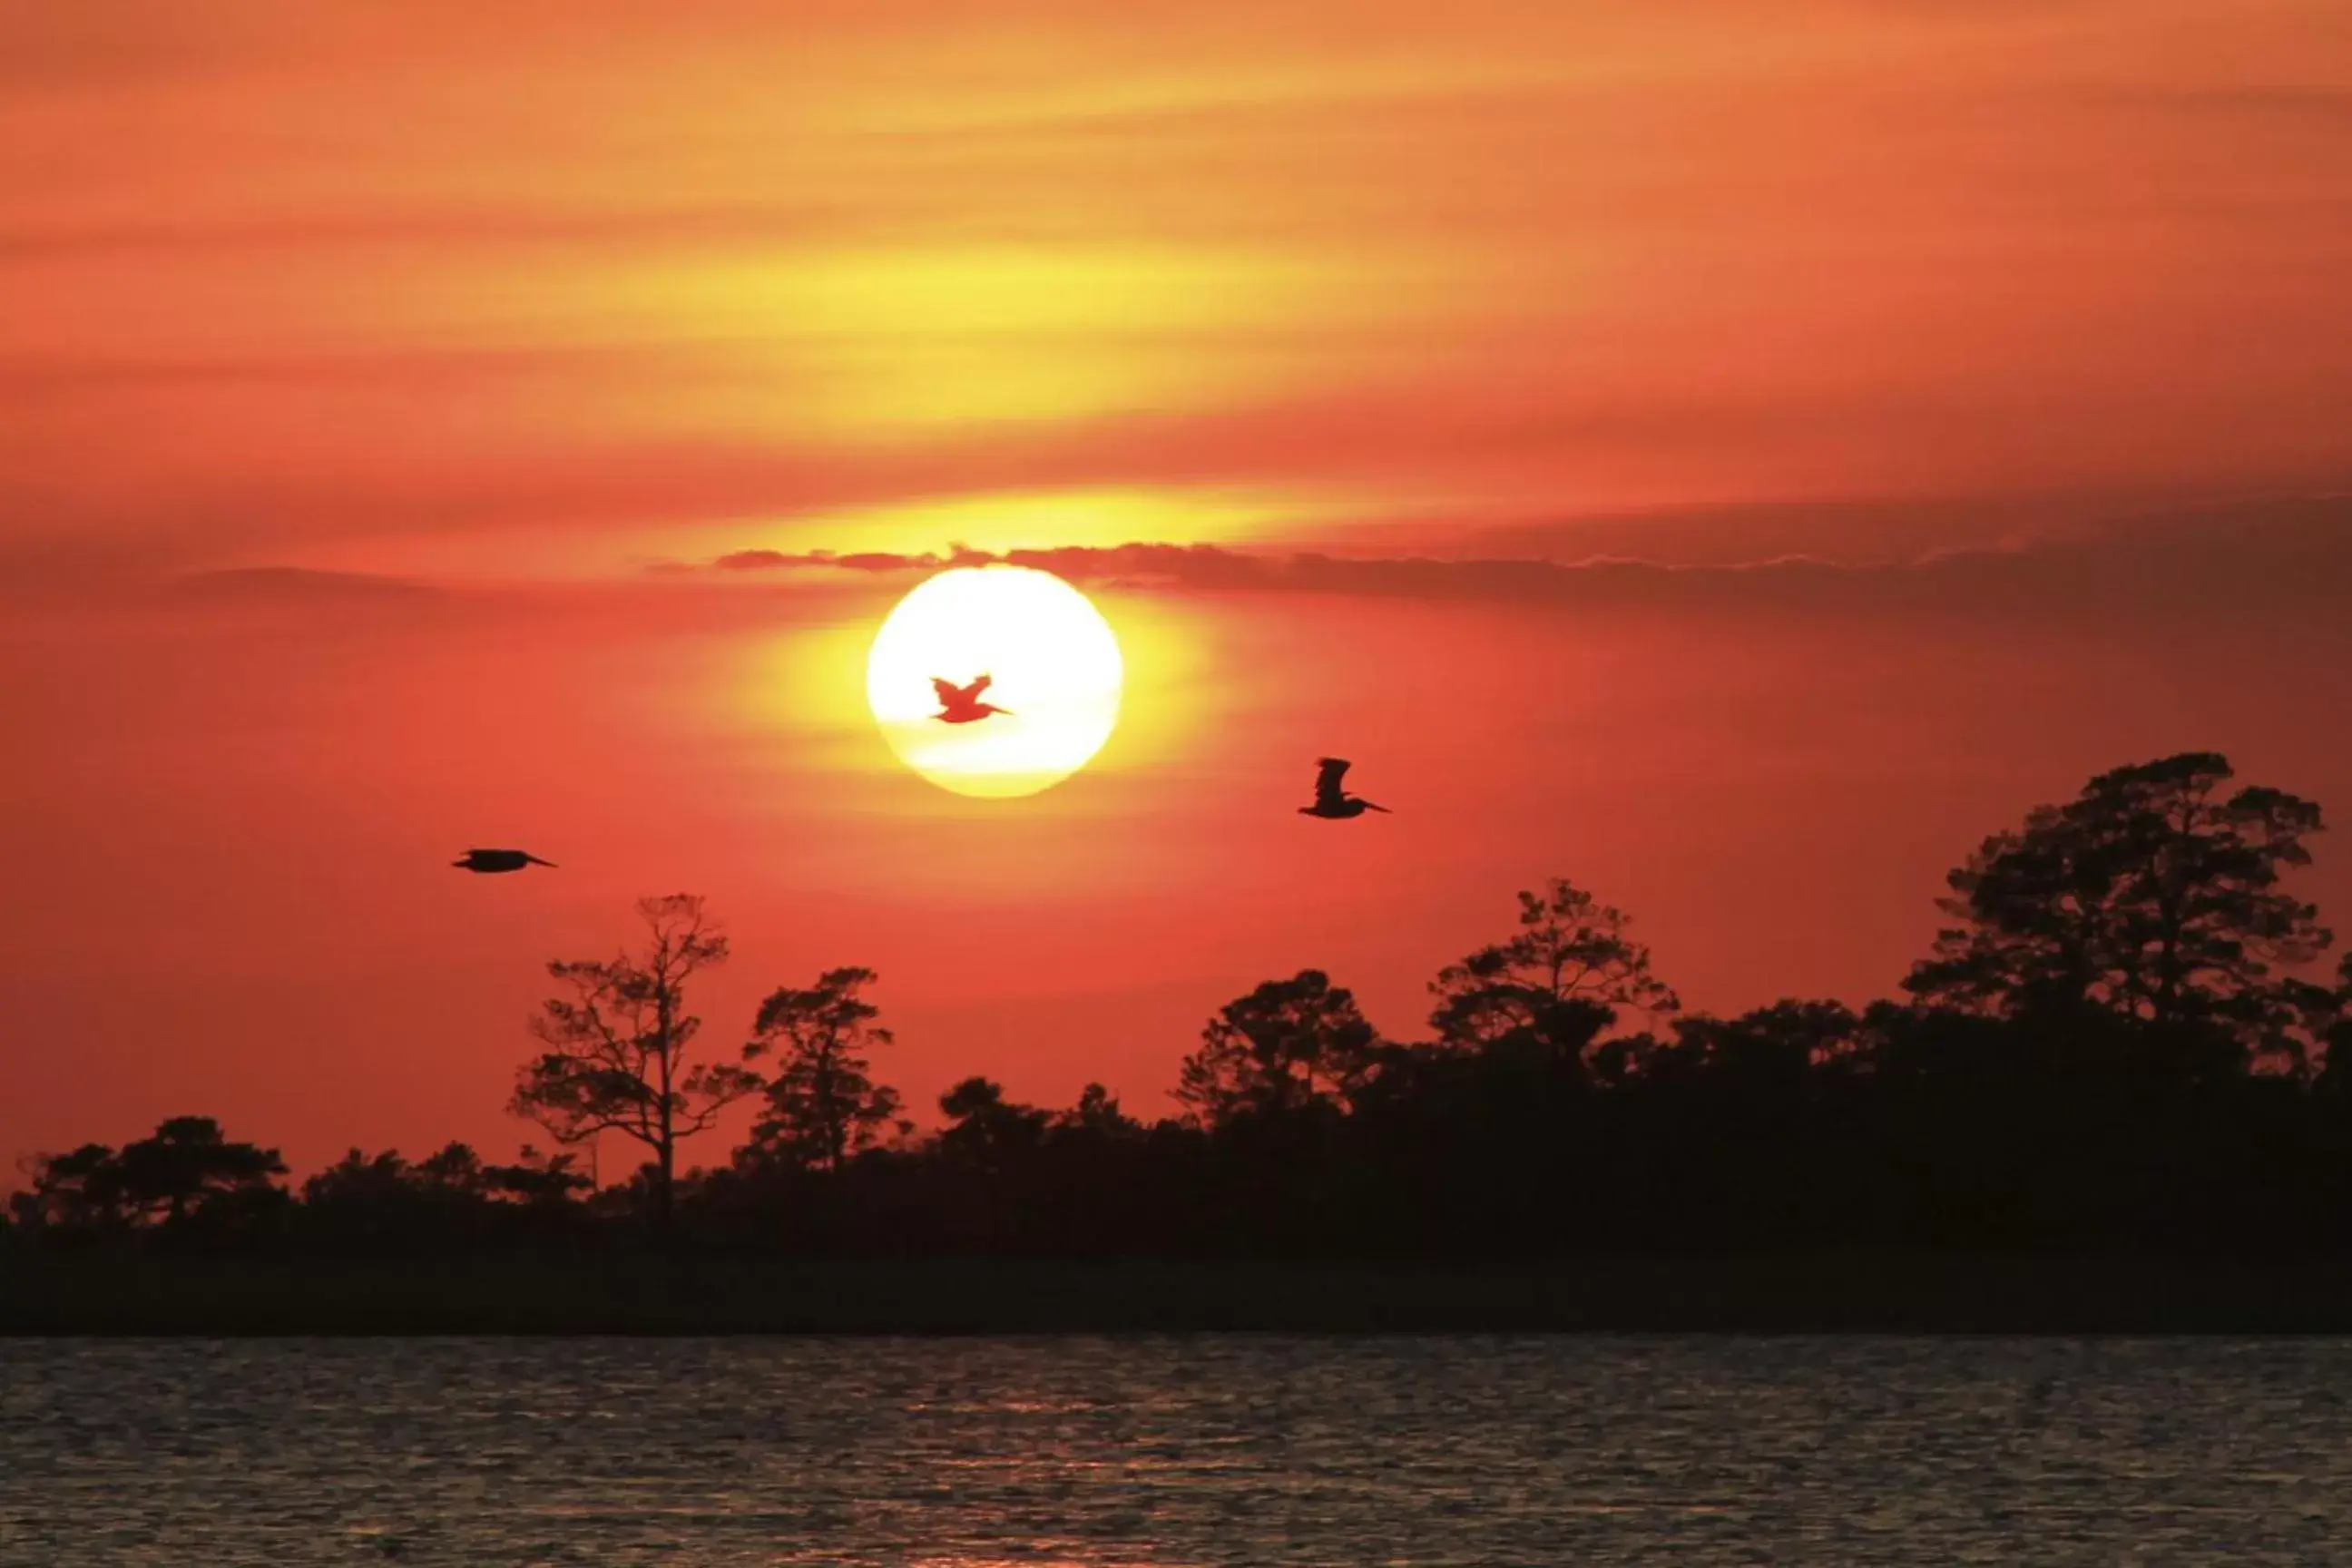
column 355, row 364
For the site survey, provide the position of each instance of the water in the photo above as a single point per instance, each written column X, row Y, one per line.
column 1173, row 1451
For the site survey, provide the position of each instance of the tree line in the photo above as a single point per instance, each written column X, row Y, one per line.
column 2125, row 1035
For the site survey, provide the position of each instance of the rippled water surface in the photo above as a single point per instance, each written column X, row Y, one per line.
column 1193, row 1451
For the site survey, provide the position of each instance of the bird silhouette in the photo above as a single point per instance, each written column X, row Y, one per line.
column 962, row 704
column 1330, row 799
column 487, row 862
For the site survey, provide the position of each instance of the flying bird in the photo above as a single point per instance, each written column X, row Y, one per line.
column 493, row 860
column 1330, row 799
column 962, row 704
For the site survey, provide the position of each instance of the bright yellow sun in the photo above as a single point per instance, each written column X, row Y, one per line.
column 1053, row 677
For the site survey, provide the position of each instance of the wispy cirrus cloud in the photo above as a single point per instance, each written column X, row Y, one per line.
column 286, row 272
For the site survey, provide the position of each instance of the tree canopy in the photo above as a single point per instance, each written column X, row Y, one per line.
column 618, row 1043
column 822, row 1104
column 187, row 1170
column 2123, row 1037
column 1288, row 1046
column 2154, row 897
column 1554, row 987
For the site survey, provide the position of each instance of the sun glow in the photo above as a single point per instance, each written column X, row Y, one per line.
column 1054, row 668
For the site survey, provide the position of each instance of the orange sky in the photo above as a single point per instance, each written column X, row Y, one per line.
column 509, row 302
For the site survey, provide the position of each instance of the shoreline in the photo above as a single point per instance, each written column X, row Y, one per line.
column 644, row 1293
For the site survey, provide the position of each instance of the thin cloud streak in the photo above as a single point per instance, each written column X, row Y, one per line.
column 2284, row 555
column 299, row 273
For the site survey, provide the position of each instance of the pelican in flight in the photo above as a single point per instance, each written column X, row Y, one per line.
column 1330, row 799
column 487, row 862
column 962, row 704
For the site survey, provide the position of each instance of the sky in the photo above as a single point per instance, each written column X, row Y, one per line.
column 1733, row 455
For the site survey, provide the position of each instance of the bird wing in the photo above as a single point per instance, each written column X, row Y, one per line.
column 979, row 685
column 1329, row 772
column 950, row 695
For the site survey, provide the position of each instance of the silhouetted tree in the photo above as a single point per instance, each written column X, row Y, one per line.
column 455, row 1169
column 359, row 1181
column 1555, row 986
column 1775, row 1047
column 1288, row 1045
column 384, row 1197
column 2331, row 1026
column 2069, row 1074
column 82, row 1190
column 617, row 1045
column 187, row 1170
column 538, row 1181
column 188, row 1167
column 634, row 1194
column 2154, row 897
column 1097, row 1113
column 822, row 1104
column 984, row 1128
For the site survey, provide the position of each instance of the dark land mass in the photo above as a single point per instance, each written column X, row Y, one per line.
column 2114, row 1097
column 1791, row 1293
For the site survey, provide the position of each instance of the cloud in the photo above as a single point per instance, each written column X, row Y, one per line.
column 2273, row 558
column 298, row 583
column 507, row 225
column 2317, row 103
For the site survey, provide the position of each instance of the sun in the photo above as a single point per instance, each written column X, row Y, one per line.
column 1054, row 669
